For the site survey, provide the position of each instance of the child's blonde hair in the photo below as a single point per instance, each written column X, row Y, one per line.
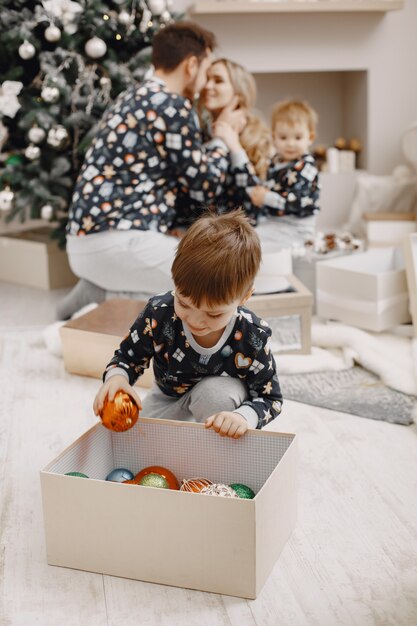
column 256, row 137
column 217, row 259
column 293, row 111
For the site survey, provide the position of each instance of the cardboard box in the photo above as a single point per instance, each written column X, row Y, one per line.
column 221, row 545
column 366, row 289
column 89, row 341
column 32, row 258
column 410, row 255
column 388, row 229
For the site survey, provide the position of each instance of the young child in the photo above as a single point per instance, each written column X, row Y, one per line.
column 211, row 357
column 292, row 189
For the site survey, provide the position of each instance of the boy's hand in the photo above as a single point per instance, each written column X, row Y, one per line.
column 228, row 424
column 257, row 195
column 110, row 388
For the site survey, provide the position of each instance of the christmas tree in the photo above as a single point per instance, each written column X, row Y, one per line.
column 61, row 63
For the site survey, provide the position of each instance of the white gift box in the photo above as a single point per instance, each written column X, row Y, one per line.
column 389, row 229
column 211, row 543
column 367, row 289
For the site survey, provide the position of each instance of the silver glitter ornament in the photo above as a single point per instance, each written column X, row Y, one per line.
column 50, row 94
column 58, row 137
column 36, row 134
column 219, row 489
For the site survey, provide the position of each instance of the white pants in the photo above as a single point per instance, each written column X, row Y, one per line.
column 134, row 261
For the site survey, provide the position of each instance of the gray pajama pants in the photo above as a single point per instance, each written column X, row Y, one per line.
column 208, row 397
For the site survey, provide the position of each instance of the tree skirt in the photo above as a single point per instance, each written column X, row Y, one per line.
column 355, row 390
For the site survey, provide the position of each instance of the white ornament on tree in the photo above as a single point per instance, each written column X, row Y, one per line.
column 47, row 212
column 95, row 48
column 36, row 134
column 52, row 33
column 58, row 137
column 27, row 50
column 32, row 152
column 157, row 6
column 50, row 94
column 124, row 17
column 6, row 199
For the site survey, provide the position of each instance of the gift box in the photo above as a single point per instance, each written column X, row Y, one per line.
column 33, row 259
column 211, row 543
column 388, row 229
column 366, row 289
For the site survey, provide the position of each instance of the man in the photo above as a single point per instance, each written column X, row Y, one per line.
column 147, row 145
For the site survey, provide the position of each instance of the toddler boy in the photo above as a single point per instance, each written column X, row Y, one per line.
column 211, row 357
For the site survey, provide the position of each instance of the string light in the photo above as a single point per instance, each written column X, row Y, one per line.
column 118, row 36
column 106, row 17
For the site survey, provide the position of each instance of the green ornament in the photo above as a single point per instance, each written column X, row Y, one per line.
column 243, row 491
column 79, row 474
column 14, row 159
column 154, row 480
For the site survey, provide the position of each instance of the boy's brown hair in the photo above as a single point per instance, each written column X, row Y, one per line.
column 217, row 259
column 294, row 111
column 176, row 42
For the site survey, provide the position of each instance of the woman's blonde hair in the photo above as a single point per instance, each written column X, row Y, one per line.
column 256, row 137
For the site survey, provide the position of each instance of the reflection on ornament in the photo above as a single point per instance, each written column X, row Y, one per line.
column 95, row 48
column 77, row 474
column 124, row 17
column 194, row 485
column 26, row 50
column 243, row 491
column 58, row 137
column 157, row 6
column 50, row 94
column 6, row 199
column 32, row 152
column 47, row 212
column 163, row 473
column 121, row 413
column 119, row 475
column 218, row 489
column 52, row 33
column 36, row 134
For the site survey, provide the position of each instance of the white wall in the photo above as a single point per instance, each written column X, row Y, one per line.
column 384, row 44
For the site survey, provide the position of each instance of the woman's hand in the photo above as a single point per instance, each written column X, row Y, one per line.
column 257, row 195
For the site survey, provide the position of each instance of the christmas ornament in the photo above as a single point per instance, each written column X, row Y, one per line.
column 36, row 134
column 153, row 480
column 95, row 48
column 156, row 470
column 14, row 159
column 218, row 489
column 157, row 6
column 243, row 491
column 124, row 17
column 32, row 152
column 26, row 50
column 6, row 199
column 9, row 102
column 194, row 485
column 79, row 474
column 121, row 413
column 58, row 137
column 52, row 33
column 47, row 212
column 105, row 81
column 119, row 475
column 50, row 94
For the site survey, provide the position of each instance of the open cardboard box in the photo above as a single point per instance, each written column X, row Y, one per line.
column 32, row 258
column 366, row 289
column 210, row 543
column 410, row 254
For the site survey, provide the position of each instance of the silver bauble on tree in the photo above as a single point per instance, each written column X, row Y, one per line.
column 50, row 94
column 95, row 48
column 52, row 33
column 32, row 152
column 36, row 134
column 47, row 212
column 124, row 17
column 58, row 137
column 157, row 6
column 26, row 50
column 6, row 199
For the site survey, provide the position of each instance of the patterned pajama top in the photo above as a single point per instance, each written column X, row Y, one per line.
column 179, row 362
column 148, row 145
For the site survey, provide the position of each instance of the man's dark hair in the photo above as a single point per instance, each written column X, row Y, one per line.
column 176, row 42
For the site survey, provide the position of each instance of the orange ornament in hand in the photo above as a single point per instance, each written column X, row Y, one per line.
column 121, row 413
column 162, row 471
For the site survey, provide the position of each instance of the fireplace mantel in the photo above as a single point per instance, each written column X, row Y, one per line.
column 206, row 7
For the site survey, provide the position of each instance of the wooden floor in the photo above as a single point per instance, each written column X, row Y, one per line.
column 352, row 559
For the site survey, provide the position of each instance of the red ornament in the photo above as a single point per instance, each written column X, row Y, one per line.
column 121, row 413
column 162, row 471
column 194, row 485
